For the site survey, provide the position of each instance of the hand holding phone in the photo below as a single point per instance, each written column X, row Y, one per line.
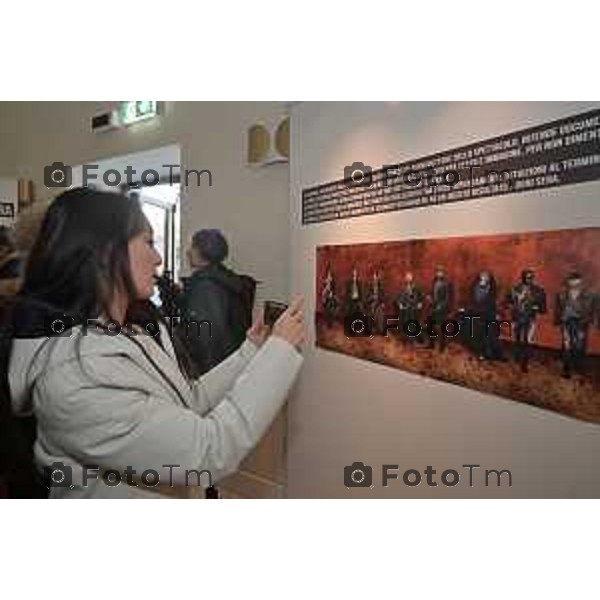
column 290, row 325
column 273, row 310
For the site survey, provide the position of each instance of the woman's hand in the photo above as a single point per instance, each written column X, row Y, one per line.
column 259, row 332
column 290, row 325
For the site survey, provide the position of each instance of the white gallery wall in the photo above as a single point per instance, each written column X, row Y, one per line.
column 345, row 409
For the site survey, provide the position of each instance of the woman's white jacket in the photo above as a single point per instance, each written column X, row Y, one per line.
column 117, row 408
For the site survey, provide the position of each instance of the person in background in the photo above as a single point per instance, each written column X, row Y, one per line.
column 26, row 229
column 216, row 302
column 9, row 285
column 10, row 264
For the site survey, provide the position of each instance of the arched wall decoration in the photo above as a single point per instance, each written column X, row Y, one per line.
column 269, row 143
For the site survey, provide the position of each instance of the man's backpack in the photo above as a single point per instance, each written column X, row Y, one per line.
column 241, row 306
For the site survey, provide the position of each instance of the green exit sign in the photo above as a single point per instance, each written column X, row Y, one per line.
column 133, row 111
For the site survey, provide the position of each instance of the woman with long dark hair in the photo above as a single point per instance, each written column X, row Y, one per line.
column 87, row 359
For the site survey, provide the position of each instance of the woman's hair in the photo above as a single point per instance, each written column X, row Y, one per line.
column 28, row 225
column 81, row 252
column 211, row 244
column 79, row 257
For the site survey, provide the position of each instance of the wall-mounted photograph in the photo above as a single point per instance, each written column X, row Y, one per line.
column 514, row 315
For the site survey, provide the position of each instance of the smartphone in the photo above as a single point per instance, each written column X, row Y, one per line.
column 273, row 310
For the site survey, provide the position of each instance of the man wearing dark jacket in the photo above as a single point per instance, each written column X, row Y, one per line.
column 215, row 295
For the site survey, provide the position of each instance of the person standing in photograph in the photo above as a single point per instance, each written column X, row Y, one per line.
column 442, row 299
column 354, row 294
column 375, row 302
column 574, row 312
column 485, row 327
column 526, row 300
column 329, row 298
column 409, row 303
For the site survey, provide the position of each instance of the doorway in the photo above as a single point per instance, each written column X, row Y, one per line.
column 160, row 204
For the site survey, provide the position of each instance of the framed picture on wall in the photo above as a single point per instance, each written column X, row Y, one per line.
column 7, row 212
column 516, row 315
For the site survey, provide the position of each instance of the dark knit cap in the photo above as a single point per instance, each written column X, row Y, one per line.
column 212, row 245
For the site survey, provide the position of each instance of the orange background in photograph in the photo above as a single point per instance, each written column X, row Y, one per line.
column 551, row 254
